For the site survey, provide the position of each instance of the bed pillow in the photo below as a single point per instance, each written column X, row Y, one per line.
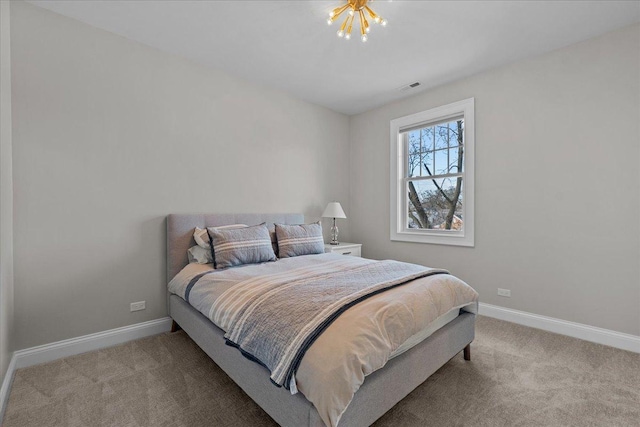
column 296, row 240
column 238, row 246
column 201, row 236
column 199, row 255
column 274, row 239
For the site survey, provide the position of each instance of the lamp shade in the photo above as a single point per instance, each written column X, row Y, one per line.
column 333, row 210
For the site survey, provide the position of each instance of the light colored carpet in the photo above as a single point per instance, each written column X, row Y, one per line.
column 518, row 376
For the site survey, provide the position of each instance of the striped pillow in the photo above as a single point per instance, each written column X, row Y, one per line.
column 248, row 245
column 201, row 235
column 303, row 239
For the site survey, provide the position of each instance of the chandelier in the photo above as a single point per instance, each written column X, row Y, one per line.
column 353, row 8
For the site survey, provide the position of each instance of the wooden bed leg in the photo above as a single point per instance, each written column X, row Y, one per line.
column 467, row 352
column 175, row 327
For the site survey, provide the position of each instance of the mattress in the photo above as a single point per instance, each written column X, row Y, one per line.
column 425, row 333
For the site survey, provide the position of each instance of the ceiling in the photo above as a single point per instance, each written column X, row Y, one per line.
column 288, row 45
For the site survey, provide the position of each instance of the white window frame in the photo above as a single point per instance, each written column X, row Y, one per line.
column 399, row 164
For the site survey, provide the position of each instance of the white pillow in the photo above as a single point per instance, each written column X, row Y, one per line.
column 201, row 236
column 199, row 255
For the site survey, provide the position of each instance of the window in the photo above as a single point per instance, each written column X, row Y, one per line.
column 432, row 159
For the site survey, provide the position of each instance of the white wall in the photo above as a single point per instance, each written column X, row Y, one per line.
column 6, row 195
column 557, row 183
column 109, row 137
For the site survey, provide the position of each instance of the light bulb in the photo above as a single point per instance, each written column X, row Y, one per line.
column 329, row 21
column 367, row 29
column 377, row 19
column 331, row 14
column 364, row 38
column 383, row 23
column 340, row 33
column 347, row 36
column 351, row 12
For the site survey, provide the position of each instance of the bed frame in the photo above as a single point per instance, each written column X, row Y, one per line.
column 380, row 391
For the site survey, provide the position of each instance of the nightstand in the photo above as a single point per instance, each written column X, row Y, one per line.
column 353, row 249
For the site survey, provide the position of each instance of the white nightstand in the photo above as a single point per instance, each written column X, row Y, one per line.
column 353, row 249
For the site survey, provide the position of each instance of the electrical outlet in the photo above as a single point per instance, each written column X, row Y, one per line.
column 137, row 306
column 504, row 293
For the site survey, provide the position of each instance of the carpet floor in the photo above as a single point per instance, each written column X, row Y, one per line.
column 518, row 376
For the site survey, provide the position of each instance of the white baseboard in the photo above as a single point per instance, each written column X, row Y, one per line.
column 576, row 330
column 57, row 350
column 6, row 386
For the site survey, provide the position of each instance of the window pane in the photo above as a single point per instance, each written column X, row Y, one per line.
column 442, row 162
column 413, row 154
column 427, row 163
column 427, row 139
column 430, row 205
column 418, row 161
column 453, row 160
column 442, row 135
column 457, row 135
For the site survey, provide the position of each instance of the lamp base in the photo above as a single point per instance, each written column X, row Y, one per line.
column 334, row 234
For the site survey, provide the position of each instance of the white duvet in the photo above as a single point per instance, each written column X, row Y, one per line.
column 359, row 341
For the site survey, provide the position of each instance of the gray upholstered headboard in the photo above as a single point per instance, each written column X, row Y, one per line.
column 180, row 231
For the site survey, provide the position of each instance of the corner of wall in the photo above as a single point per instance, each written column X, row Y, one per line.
column 6, row 196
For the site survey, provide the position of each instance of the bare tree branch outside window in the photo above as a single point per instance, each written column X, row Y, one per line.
column 435, row 176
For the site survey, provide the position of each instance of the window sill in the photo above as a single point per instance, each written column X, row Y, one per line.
column 433, row 238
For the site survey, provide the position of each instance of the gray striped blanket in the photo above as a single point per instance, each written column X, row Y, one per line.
column 275, row 320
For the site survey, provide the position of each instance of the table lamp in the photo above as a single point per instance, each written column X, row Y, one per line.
column 334, row 210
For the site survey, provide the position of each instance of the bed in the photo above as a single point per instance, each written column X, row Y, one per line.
column 379, row 393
